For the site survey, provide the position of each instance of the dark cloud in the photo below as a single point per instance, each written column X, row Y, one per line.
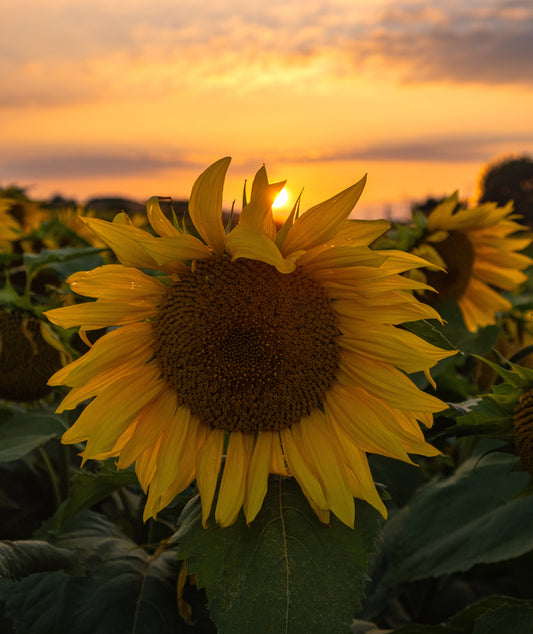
column 86, row 165
column 489, row 45
column 453, row 148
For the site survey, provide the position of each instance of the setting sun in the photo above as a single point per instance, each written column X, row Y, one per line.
column 281, row 199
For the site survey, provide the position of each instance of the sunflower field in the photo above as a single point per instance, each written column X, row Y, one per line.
column 214, row 421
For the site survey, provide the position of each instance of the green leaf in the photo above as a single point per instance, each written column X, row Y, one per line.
column 25, row 431
column 475, row 516
column 510, row 618
column 20, row 558
column 87, row 489
column 466, row 619
column 286, row 572
column 124, row 590
column 63, row 261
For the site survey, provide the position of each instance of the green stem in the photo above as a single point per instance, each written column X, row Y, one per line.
column 127, row 510
column 52, row 475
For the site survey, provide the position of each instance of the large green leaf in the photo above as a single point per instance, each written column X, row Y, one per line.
column 23, row 432
column 476, row 516
column 286, row 572
column 125, row 590
column 20, row 558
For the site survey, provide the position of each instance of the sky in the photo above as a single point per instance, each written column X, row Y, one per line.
column 136, row 97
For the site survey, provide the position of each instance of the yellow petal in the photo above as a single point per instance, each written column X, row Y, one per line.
column 298, row 467
column 441, row 215
column 208, row 464
column 125, row 240
column 93, row 315
column 314, row 439
column 131, row 343
column 246, row 242
column 173, row 446
column 339, row 257
column 145, row 465
column 359, row 476
column 257, row 482
column 105, row 418
column 392, row 308
column 365, row 426
column 322, row 222
column 262, row 196
column 508, row 279
column 157, row 219
column 391, row 345
column 117, row 283
column 178, row 249
column 233, row 484
column 387, row 382
column 205, row 205
column 151, row 424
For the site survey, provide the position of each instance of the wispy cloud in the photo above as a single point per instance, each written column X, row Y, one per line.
column 85, row 51
column 94, row 164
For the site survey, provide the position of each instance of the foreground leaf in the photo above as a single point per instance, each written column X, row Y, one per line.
column 286, row 572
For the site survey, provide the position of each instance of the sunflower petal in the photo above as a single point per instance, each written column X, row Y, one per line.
column 157, row 219
column 205, row 205
column 246, row 242
column 257, row 482
column 117, row 283
column 234, row 476
column 208, row 462
column 322, row 222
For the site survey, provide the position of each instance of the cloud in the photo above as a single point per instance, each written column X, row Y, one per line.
column 87, row 165
column 452, row 148
column 484, row 44
column 68, row 52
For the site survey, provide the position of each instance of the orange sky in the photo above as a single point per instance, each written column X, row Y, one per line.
column 137, row 98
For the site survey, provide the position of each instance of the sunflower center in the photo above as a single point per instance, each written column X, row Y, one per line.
column 26, row 360
column 458, row 254
column 246, row 347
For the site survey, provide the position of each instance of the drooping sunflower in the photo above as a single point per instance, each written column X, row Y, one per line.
column 279, row 348
column 477, row 250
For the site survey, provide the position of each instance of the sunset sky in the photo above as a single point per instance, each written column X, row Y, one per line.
column 137, row 97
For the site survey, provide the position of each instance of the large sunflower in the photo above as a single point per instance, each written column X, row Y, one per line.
column 477, row 248
column 278, row 348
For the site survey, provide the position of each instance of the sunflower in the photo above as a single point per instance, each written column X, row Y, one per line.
column 276, row 347
column 477, row 248
column 29, row 353
column 10, row 229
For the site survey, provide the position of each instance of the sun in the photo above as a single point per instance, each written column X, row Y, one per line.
column 281, row 199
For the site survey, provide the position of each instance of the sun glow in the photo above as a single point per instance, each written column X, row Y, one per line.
column 281, row 199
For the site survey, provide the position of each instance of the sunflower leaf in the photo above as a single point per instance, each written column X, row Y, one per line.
column 22, row 432
column 475, row 516
column 285, row 572
column 123, row 589
column 20, row 558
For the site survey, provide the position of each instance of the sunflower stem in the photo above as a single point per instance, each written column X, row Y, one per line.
column 52, row 475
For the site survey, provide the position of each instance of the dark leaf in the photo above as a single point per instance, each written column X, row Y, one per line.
column 286, row 572
column 24, row 432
